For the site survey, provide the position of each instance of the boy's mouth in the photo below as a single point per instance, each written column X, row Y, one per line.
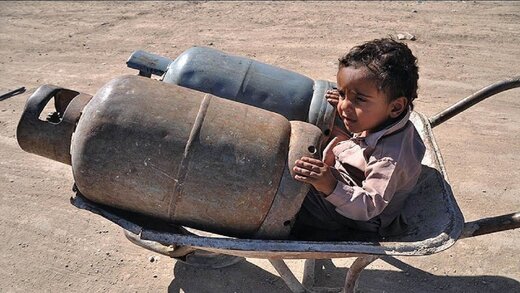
column 349, row 120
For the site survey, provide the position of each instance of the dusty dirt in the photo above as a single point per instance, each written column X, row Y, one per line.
column 48, row 245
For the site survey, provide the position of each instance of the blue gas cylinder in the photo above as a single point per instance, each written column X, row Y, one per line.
column 244, row 80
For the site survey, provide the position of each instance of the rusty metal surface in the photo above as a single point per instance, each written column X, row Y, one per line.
column 190, row 158
column 305, row 141
column 45, row 138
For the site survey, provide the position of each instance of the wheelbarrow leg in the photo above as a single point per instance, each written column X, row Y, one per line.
column 287, row 276
column 309, row 269
column 355, row 270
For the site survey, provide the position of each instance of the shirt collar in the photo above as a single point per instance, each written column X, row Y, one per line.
column 372, row 138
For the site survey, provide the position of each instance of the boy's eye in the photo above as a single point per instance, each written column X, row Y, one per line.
column 360, row 98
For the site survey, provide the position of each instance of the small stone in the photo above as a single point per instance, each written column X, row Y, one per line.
column 11, row 180
column 406, row 36
column 414, row 11
column 210, row 44
column 151, row 258
column 155, row 276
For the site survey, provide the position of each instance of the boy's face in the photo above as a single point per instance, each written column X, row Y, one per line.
column 362, row 106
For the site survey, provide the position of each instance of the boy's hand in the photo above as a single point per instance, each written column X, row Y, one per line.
column 332, row 97
column 315, row 172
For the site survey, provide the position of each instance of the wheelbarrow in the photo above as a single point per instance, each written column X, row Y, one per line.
column 435, row 222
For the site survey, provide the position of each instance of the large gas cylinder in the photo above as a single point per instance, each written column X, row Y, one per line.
column 176, row 154
column 244, row 80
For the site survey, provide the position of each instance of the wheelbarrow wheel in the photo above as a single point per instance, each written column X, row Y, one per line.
column 186, row 254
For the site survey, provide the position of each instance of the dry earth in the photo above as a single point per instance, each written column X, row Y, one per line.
column 48, row 245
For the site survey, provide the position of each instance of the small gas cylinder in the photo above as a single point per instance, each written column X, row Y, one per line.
column 176, row 154
column 244, row 80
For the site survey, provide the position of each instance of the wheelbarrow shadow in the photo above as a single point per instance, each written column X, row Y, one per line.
column 247, row 277
column 241, row 277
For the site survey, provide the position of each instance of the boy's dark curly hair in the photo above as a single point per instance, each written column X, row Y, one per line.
column 392, row 63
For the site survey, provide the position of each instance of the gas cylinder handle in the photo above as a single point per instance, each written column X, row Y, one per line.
column 38, row 100
column 50, row 139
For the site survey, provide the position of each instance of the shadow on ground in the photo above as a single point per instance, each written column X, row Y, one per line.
column 246, row 277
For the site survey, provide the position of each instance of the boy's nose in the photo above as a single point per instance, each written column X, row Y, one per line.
column 346, row 105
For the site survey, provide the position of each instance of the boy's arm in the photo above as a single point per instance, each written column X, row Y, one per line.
column 369, row 200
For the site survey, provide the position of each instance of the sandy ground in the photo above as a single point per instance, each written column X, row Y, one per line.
column 48, row 245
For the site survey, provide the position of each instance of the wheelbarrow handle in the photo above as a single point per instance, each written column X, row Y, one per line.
column 474, row 99
column 491, row 225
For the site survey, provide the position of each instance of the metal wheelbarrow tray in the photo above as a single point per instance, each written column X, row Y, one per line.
column 435, row 220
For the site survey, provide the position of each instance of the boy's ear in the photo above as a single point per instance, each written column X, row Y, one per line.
column 397, row 107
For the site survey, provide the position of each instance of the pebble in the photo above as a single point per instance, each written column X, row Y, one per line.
column 406, row 36
column 151, row 258
column 11, row 180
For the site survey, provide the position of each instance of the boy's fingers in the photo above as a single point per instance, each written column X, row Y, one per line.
column 307, row 165
column 333, row 102
column 316, row 162
column 304, row 172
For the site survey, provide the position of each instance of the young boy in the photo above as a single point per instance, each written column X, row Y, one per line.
column 363, row 181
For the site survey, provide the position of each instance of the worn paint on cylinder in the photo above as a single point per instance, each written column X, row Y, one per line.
column 183, row 156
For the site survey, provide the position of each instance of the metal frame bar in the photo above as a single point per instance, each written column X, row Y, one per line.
column 307, row 284
column 474, row 99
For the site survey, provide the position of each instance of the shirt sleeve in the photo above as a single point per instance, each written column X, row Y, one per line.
column 364, row 202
